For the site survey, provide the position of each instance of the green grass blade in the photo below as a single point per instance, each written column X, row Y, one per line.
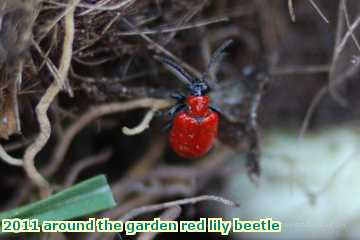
column 82, row 199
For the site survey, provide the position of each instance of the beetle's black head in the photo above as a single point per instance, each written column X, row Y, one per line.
column 198, row 88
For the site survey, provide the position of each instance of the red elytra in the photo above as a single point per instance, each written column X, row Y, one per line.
column 194, row 129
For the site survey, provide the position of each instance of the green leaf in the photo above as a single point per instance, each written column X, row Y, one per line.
column 82, row 199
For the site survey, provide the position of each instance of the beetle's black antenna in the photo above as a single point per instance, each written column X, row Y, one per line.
column 175, row 68
column 215, row 59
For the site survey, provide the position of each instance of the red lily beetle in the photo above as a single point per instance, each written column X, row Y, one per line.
column 194, row 123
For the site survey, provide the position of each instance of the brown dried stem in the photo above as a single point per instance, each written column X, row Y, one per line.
column 45, row 102
column 168, row 215
column 145, row 123
column 90, row 116
column 156, row 207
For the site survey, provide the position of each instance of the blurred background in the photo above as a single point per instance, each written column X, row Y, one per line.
column 306, row 138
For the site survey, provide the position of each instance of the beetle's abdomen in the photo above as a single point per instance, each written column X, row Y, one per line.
column 193, row 137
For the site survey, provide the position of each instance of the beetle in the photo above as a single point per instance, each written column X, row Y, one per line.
column 194, row 121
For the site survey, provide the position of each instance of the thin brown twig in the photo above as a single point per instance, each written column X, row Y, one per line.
column 41, row 140
column 289, row 70
column 125, row 3
column 187, row 17
column 18, row 145
column 90, row 116
column 52, row 24
column 320, row 95
column 123, row 208
column 145, row 123
column 340, row 47
column 340, row 44
column 311, row 109
column 88, row 6
column 163, row 50
column 87, row 162
column 9, row 159
column 97, row 6
column 348, row 24
column 44, row 104
column 156, row 207
column 291, row 10
column 313, row 4
column 168, row 215
column 316, row 7
column 204, row 170
column 175, row 28
column 207, row 169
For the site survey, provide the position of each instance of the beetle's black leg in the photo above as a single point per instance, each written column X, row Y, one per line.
column 171, row 113
column 175, row 109
column 167, row 126
column 216, row 109
column 178, row 96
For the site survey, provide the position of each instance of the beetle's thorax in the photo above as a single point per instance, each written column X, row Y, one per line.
column 198, row 106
